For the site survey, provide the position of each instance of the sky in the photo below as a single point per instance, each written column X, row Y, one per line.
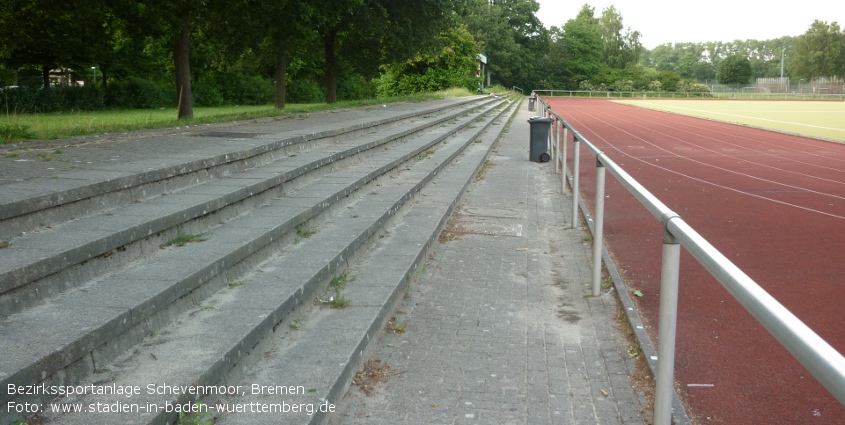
column 664, row 21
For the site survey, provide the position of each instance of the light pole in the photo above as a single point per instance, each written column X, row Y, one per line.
column 94, row 73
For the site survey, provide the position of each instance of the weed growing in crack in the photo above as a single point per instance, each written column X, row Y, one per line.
column 426, row 154
column 304, row 232
column 340, row 281
column 414, row 276
column 394, row 327
column 340, row 301
column 182, row 240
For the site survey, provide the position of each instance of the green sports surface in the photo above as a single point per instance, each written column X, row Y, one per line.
column 825, row 120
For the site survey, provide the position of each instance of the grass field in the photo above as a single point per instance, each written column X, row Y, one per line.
column 824, row 120
column 67, row 124
column 47, row 126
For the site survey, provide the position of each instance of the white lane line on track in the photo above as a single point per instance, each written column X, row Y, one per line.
column 739, row 157
column 777, row 136
column 584, row 126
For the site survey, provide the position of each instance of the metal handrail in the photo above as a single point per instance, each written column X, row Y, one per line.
column 823, row 361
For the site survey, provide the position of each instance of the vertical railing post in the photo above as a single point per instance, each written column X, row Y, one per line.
column 576, row 166
column 598, row 225
column 667, row 324
column 549, row 145
column 556, row 144
column 562, row 143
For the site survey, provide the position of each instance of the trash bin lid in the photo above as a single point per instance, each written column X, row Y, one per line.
column 539, row 120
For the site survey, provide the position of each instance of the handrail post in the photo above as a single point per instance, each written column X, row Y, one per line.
column 550, row 147
column 563, row 160
column 598, row 226
column 576, row 166
column 556, row 144
column 667, row 324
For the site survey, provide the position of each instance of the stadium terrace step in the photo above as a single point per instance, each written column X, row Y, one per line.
column 89, row 178
column 209, row 312
column 42, row 264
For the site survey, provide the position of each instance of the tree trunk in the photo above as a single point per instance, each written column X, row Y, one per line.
column 329, row 40
column 105, row 78
column 182, row 66
column 45, row 76
column 281, row 76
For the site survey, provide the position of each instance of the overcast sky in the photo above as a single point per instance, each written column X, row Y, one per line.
column 663, row 21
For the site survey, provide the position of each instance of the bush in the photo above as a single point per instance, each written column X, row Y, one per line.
column 15, row 132
column 136, row 93
column 34, row 100
column 304, row 90
column 355, row 87
column 623, row 85
column 451, row 63
column 254, row 91
column 83, row 98
column 207, row 93
column 689, row 86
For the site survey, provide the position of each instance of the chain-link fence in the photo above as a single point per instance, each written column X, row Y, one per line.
column 831, row 88
column 780, row 87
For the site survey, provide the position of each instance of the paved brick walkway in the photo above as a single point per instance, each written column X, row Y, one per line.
column 500, row 329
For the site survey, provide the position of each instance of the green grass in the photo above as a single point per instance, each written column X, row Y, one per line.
column 15, row 131
column 340, row 281
column 17, row 127
column 200, row 417
column 183, row 240
column 303, row 231
column 815, row 119
column 340, row 302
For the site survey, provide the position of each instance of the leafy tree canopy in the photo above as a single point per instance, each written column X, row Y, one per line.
column 819, row 52
column 735, row 69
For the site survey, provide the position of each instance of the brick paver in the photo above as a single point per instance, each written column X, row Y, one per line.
column 500, row 329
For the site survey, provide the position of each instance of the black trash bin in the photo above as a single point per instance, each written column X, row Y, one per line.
column 531, row 103
column 539, row 150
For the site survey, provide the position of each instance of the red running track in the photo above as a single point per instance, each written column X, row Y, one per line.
column 774, row 204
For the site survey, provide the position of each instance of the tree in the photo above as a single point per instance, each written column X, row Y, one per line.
column 619, row 50
column 450, row 62
column 735, row 69
column 49, row 34
column 511, row 35
column 170, row 20
column 581, row 45
column 819, row 51
column 256, row 27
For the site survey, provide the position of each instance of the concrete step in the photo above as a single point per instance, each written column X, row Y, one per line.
column 89, row 178
column 341, row 337
column 177, row 290
column 40, row 265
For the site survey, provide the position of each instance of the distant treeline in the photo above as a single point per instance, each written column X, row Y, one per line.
column 210, row 52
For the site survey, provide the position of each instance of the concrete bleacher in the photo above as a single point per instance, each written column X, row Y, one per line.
column 95, row 289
